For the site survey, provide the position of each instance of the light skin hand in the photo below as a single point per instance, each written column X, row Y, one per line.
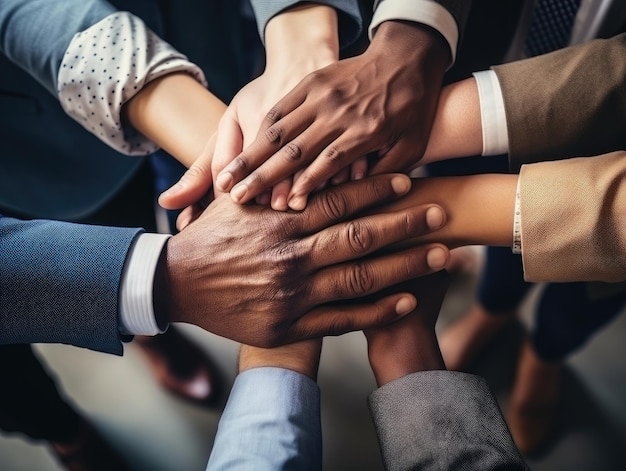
column 298, row 41
column 265, row 278
column 410, row 345
column 381, row 103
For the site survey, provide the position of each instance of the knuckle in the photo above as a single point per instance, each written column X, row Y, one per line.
column 195, row 172
column 274, row 134
column 334, row 204
column 333, row 156
column 292, row 151
column 274, row 115
column 360, row 238
column 256, row 179
column 336, row 327
column 359, row 279
column 240, row 164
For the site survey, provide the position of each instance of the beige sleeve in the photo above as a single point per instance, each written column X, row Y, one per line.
column 568, row 103
column 574, row 219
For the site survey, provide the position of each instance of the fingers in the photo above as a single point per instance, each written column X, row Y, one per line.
column 337, row 203
column 228, row 145
column 279, row 195
column 358, row 279
column 331, row 160
column 360, row 237
column 188, row 215
column 339, row 319
column 267, row 142
column 194, row 184
column 358, row 170
column 402, row 156
column 295, row 152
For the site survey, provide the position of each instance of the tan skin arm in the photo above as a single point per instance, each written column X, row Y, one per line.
column 177, row 113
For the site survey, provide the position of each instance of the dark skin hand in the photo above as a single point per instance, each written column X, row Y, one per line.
column 379, row 104
column 265, row 278
column 410, row 345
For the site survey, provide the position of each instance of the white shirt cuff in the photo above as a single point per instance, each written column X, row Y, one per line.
column 492, row 113
column 105, row 66
column 136, row 315
column 426, row 12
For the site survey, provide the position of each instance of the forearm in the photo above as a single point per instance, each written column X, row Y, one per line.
column 177, row 113
column 479, row 208
column 457, row 127
column 302, row 38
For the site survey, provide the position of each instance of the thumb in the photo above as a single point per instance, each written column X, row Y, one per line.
column 194, row 184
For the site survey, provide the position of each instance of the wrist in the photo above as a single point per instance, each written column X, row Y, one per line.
column 301, row 357
column 418, row 44
column 303, row 38
column 395, row 358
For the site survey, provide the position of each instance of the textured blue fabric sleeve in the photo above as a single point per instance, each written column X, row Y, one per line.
column 436, row 420
column 59, row 283
column 271, row 422
column 36, row 33
column 349, row 15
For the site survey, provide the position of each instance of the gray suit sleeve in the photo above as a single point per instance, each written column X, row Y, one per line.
column 59, row 283
column 437, row 420
column 350, row 22
column 35, row 33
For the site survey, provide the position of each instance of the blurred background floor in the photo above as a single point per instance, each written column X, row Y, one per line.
column 157, row 432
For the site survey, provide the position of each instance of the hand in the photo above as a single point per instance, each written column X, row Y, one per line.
column 410, row 344
column 265, row 277
column 298, row 41
column 302, row 357
column 382, row 102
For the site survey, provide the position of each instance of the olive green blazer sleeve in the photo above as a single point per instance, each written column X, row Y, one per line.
column 570, row 103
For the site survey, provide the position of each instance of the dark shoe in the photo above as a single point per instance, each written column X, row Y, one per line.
column 181, row 367
column 88, row 452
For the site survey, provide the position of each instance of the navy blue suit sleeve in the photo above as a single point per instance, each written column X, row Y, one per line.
column 349, row 15
column 59, row 283
column 36, row 33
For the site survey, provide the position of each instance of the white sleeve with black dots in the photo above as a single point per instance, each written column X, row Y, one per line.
column 105, row 66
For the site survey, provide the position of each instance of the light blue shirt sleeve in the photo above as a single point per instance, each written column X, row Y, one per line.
column 271, row 422
column 349, row 16
column 36, row 33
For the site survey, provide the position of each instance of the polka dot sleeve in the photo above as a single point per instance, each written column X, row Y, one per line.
column 105, row 66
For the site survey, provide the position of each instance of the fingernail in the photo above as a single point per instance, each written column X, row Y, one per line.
column 400, row 184
column 434, row 217
column 437, row 258
column 280, row 203
column 224, row 180
column 405, row 305
column 297, row 203
column 238, row 192
column 358, row 176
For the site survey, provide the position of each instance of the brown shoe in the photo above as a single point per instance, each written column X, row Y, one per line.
column 88, row 452
column 181, row 366
column 533, row 410
column 463, row 340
